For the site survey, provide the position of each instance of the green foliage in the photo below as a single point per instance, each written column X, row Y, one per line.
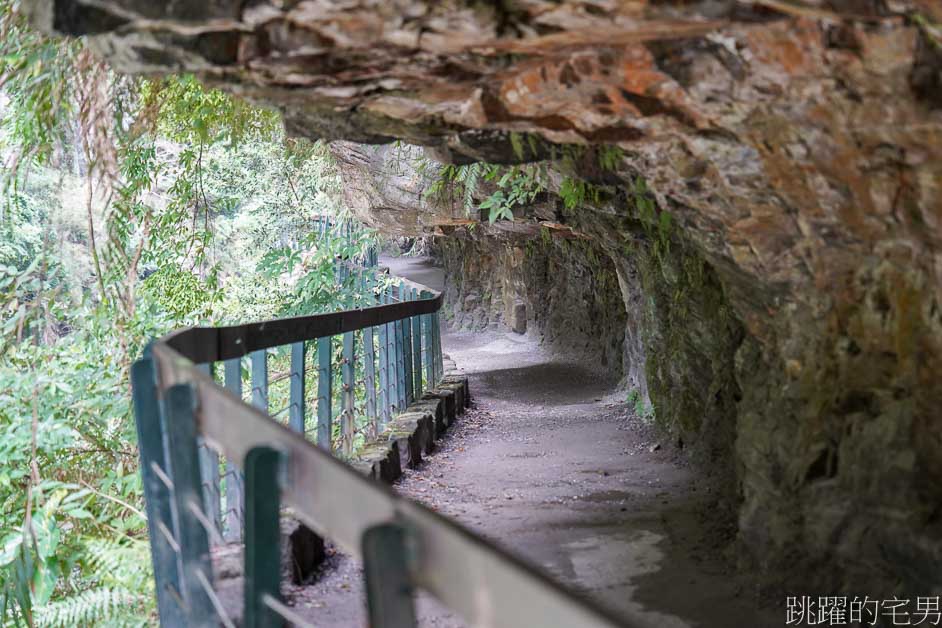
column 930, row 29
column 644, row 410
column 610, row 157
column 646, row 413
column 64, row 413
column 520, row 149
column 192, row 115
column 517, row 186
column 131, row 207
column 443, row 187
column 177, row 291
column 457, row 183
column 36, row 75
column 122, row 592
column 658, row 224
column 94, row 607
column 574, row 192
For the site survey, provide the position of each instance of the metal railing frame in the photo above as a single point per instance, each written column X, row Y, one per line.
column 182, row 414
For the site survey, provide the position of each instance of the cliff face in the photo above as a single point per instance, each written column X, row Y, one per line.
column 792, row 313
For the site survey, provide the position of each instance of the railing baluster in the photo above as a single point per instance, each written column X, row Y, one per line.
column 437, row 343
column 392, row 370
column 369, row 378
column 429, row 351
column 415, row 328
column 324, row 384
column 383, row 374
column 400, row 371
column 259, row 361
column 209, row 471
column 234, row 479
column 406, row 295
column 156, row 494
column 262, row 536
column 296, row 392
column 178, row 411
column 346, row 374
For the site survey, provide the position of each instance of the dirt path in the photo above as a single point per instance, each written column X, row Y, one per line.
column 553, row 466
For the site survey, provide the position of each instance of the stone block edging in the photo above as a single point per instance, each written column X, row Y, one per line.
column 412, row 434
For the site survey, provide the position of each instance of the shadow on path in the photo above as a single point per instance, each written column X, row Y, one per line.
column 547, row 383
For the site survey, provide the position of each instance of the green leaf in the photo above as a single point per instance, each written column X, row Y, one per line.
column 664, row 222
column 9, row 548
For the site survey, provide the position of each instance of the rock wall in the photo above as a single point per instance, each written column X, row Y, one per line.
column 792, row 313
column 802, row 427
column 564, row 292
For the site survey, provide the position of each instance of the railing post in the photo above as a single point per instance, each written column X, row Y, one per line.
column 416, row 330
column 150, row 439
column 296, row 391
column 389, row 588
column 179, row 420
column 262, row 536
column 324, row 384
column 347, row 377
column 406, row 325
column 234, row 479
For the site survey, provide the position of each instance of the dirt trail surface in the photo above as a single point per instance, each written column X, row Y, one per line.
column 553, row 466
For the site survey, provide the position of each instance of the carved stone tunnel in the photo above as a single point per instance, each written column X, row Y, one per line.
column 785, row 323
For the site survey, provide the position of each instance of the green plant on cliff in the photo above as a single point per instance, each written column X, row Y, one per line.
column 517, row 186
column 456, row 183
column 520, row 149
column 656, row 223
column 520, row 185
column 930, row 29
column 610, row 157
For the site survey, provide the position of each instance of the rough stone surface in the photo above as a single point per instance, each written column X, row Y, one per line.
column 447, row 398
column 562, row 291
column 793, row 309
column 412, row 434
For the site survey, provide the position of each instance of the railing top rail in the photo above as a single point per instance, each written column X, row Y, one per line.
column 211, row 344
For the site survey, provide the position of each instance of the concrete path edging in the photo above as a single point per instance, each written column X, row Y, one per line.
column 412, row 434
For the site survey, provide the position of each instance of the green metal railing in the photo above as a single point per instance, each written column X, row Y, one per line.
column 192, row 430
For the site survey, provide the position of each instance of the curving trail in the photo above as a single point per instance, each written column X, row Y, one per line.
column 551, row 464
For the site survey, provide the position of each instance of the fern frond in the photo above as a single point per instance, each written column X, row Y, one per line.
column 126, row 565
column 469, row 177
column 90, row 608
